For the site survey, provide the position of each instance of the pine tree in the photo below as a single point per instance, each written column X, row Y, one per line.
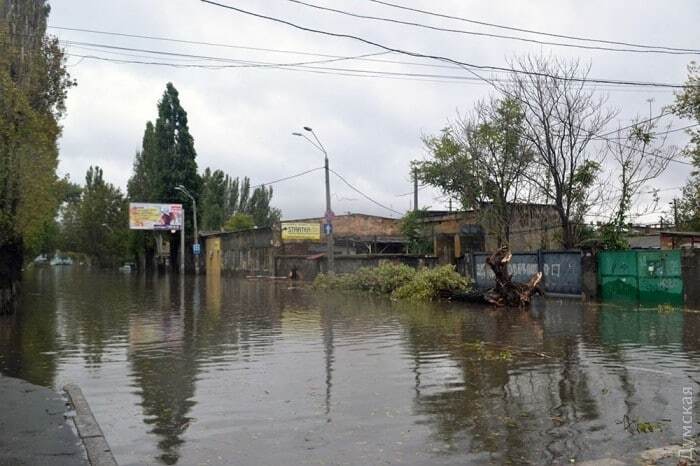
column 213, row 199
column 232, row 195
column 166, row 160
column 259, row 207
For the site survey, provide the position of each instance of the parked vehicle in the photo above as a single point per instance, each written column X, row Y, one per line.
column 58, row 260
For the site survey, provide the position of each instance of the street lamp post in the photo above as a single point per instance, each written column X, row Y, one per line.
column 183, row 190
column 329, row 213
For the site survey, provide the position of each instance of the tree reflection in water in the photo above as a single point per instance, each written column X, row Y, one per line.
column 270, row 373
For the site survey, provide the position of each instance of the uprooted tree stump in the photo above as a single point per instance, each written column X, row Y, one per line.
column 507, row 293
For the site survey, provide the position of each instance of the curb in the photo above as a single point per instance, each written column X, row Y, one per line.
column 98, row 451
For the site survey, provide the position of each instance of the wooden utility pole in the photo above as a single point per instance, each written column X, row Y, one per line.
column 675, row 214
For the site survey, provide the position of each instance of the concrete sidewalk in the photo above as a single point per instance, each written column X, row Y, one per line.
column 34, row 429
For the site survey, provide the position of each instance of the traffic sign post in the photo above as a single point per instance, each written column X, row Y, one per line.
column 328, row 229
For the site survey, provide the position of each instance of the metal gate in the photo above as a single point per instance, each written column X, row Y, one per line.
column 561, row 270
column 647, row 276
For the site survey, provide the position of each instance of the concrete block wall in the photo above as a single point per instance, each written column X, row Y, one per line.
column 309, row 268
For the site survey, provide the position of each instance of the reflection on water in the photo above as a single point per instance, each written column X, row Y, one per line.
column 209, row 370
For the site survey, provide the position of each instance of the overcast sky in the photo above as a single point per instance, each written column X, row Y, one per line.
column 242, row 118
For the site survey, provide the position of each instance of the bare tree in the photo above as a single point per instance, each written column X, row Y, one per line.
column 640, row 154
column 562, row 118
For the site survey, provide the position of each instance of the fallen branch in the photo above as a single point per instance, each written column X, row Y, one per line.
column 506, row 292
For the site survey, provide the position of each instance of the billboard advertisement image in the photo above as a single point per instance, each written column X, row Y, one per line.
column 148, row 216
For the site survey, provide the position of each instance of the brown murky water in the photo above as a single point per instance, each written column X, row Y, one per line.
column 254, row 373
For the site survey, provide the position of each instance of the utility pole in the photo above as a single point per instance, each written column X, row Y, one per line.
column 675, row 214
column 195, row 243
column 329, row 213
column 415, row 189
column 330, row 243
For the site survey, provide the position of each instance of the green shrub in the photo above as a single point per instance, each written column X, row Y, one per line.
column 383, row 279
column 429, row 284
column 399, row 280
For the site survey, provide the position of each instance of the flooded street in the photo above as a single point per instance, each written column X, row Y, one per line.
column 227, row 371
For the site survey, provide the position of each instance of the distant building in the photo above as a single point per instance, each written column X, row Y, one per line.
column 660, row 239
column 361, row 239
column 353, row 234
column 534, row 227
column 301, row 243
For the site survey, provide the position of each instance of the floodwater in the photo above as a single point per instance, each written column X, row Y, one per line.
column 227, row 371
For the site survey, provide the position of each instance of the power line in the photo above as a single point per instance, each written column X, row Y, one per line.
column 463, row 64
column 242, row 47
column 239, row 63
column 532, row 31
column 420, row 188
column 632, row 125
column 485, row 34
column 660, row 133
column 636, row 149
column 190, row 42
column 363, row 194
column 243, row 63
column 253, row 64
column 279, row 180
column 352, row 72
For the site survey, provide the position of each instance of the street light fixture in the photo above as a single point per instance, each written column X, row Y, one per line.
column 184, row 190
column 329, row 213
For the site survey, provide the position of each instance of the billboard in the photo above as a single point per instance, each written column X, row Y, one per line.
column 148, row 216
column 307, row 231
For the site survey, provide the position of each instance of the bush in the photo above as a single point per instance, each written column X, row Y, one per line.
column 383, row 279
column 399, row 280
column 432, row 283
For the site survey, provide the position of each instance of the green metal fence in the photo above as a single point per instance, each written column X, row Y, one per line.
column 646, row 276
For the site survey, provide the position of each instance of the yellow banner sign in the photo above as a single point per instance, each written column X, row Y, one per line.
column 308, row 231
column 147, row 216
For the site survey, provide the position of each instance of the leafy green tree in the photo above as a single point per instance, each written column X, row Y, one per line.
column 232, row 195
column 51, row 238
column 139, row 189
column 687, row 105
column 259, row 207
column 419, row 241
column 482, row 160
column 243, row 196
column 239, row 221
column 222, row 197
column 97, row 223
column 103, row 217
column 33, row 87
column 213, row 199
